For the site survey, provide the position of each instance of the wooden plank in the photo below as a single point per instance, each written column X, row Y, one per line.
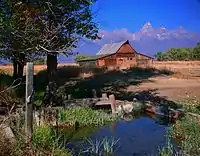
column 103, row 102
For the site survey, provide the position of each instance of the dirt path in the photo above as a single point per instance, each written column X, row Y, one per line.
column 170, row 87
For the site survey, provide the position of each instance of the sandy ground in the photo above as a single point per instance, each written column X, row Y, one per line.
column 171, row 87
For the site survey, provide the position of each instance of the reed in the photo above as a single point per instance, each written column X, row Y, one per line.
column 85, row 116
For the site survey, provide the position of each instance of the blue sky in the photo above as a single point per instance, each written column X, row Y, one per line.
column 132, row 14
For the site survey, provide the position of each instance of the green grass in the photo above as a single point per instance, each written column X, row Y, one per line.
column 107, row 146
column 44, row 137
column 186, row 133
column 85, row 116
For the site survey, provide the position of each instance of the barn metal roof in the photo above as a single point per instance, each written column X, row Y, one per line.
column 108, row 49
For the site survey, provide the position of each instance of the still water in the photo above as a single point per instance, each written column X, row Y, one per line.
column 139, row 137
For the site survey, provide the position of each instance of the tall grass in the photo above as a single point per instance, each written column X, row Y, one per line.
column 44, row 141
column 186, row 133
column 85, row 116
column 106, row 146
column 47, row 138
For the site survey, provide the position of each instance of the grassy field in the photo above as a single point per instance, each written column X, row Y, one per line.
column 37, row 68
column 184, row 67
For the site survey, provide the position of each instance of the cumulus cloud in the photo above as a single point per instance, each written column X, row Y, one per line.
column 153, row 38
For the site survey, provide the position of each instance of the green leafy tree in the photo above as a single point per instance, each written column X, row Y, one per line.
column 40, row 61
column 46, row 27
column 17, row 31
column 159, row 56
column 80, row 57
column 196, row 52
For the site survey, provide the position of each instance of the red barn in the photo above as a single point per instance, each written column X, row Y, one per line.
column 118, row 56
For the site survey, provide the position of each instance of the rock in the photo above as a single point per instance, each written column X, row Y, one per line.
column 128, row 108
column 8, row 133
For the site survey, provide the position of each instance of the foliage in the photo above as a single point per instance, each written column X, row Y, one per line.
column 36, row 28
column 180, row 54
column 81, row 57
column 43, row 137
column 44, row 141
column 186, row 133
column 8, row 96
column 85, row 116
column 46, row 26
column 39, row 61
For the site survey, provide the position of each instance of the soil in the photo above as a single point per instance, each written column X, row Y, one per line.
column 171, row 87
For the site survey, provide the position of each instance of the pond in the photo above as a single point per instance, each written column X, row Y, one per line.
column 143, row 135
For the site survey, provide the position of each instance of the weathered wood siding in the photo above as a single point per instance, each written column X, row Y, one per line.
column 143, row 61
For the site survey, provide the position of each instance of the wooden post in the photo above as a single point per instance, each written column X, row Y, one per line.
column 94, row 93
column 69, row 97
column 29, row 94
column 104, row 96
column 113, row 103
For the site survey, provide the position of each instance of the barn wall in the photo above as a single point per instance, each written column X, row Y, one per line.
column 143, row 61
column 88, row 64
column 126, row 48
column 109, row 61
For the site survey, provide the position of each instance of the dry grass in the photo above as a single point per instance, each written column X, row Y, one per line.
column 189, row 68
column 37, row 68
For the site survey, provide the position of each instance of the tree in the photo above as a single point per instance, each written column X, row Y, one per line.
column 17, row 33
column 40, row 61
column 159, row 56
column 196, row 52
column 80, row 57
column 47, row 27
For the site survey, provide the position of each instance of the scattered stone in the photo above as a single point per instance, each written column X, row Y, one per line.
column 8, row 133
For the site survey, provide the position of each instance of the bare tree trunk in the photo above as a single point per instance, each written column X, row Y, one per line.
column 14, row 68
column 18, row 66
column 50, row 93
column 51, row 66
column 21, row 65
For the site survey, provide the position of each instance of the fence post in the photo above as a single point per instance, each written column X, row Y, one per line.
column 69, row 97
column 104, row 96
column 113, row 103
column 28, row 98
column 94, row 93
